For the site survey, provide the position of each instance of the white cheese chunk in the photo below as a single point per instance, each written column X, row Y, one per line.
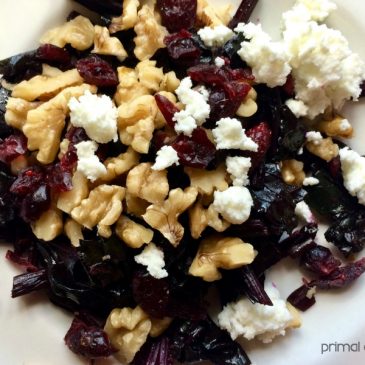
column 88, row 163
column 303, row 212
column 353, row 172
column 97, row 115
column 249, row 320
column 297, row 107
column 229, row 134
column 238, row 168
column 153, row 258
column 318, row 9
column 166, row 157
column 219, row 62
column 215, row 37
column 310, row 181
column 234, row 204
column 313, row 136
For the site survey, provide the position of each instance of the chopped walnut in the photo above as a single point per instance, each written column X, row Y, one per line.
column 159, row 326
column 150, row 34
column 127, row 330
column 116, row 166
column 248, row 107
column 337, row 127
column 220, row 253
column 138, row 135
column 148, row 184
column 292, row 172
column 128, row 19
column 325, row 149
column 209, row 16
column 79, row 32
column 45, row 124
column 104, row 44
column 73, row 231
column 208, row 181
column 129, row 87
column 170, row 82
column 103, row 207
column 164, row 216
column 17, row 110
column 69, row 200
column 149, row 75
column 49, row 225
column 200, row 218
column 50, row 71
column 45, row 87
column 135, row 205
column 133, row 234
column 65, row 143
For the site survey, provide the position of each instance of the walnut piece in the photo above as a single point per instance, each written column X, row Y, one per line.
column 127, row 330
column 103, row 207
column 200, row 218
column 45, row 87
column 44, row 125
column 73, row 231
column 337, row 127
column 220, row 253
column 213, row 16
column 128, row 19
column 150, row 34
column 325, row 149
column 104, row 44
column 159, row 326
column 149, row 75
column 79, row 32
column 69, row 200
column 248, row 107
column 164, row 216
column 135, row 205
column 49, row 225
column 208, row 181
column 116, row 166
column 17, row 110
column 292, row 172
column 148, row 184
column 170, row 82
column 133, row 234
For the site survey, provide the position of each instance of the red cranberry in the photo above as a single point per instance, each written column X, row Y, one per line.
column 12, row 147
column 261, row 134
column 28, row 181
column 300, row 299
column 53, row 54
column 58, row 178
column 167, row 108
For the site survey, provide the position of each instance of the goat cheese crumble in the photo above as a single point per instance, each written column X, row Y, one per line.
column 87, row 162
column 238, row 168
column 166, row 157
column 219, row 62
column 153, row 258
column 353, row 172
column 303, row 212
column 234, row 204
column 314, row 137
column 249, row 320
column 297, row 107
column 97, row 115
column 215, row 37
column 310, row 181
column 196, row 110
column 229, row 134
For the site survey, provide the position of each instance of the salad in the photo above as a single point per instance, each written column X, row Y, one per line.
column 160, row 157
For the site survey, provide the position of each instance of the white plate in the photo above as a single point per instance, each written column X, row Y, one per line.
column 32, row 330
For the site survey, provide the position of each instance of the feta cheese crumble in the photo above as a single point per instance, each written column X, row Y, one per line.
column 268, row 59
column 234, row 204
column 310, row 181
column 249, row 320
column 318, row 9
column 97, row 115
column 303, row 212
column 166, row 157
column 196, row 110
column 345, row 125
column 215, row 37
column 297, row 107
column 153, row 258
column 229, row 134
column 219, row 62
column 88, row 163
column 353, row 172
column 238, row 168
column 314, row 137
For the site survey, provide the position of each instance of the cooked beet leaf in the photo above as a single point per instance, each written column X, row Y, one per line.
column 29, row 282
column 104, row 7
column 301, row 298
column 243, row 13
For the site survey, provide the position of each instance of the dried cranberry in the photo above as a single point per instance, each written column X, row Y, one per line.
column 21, row 261
column 58, row 178
column 362, row 86
column 177, row 14
column 167, row 108
column 76, row 135
column 161, row 138
column 301, row 299
column 289, row 86
column 53, row 54
column 69, row 159
column 154, row 352
column 12, row 147
column 28, row 181
column 195, row 151
column 261, row 134
column 342, row 276
column 320, row 259
column 89, row 341
column 153, row 295
column 300, row 249
column 243, row 13
column 34, row 204
column 182, row 48
column 334, row 167
column 96, row 71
